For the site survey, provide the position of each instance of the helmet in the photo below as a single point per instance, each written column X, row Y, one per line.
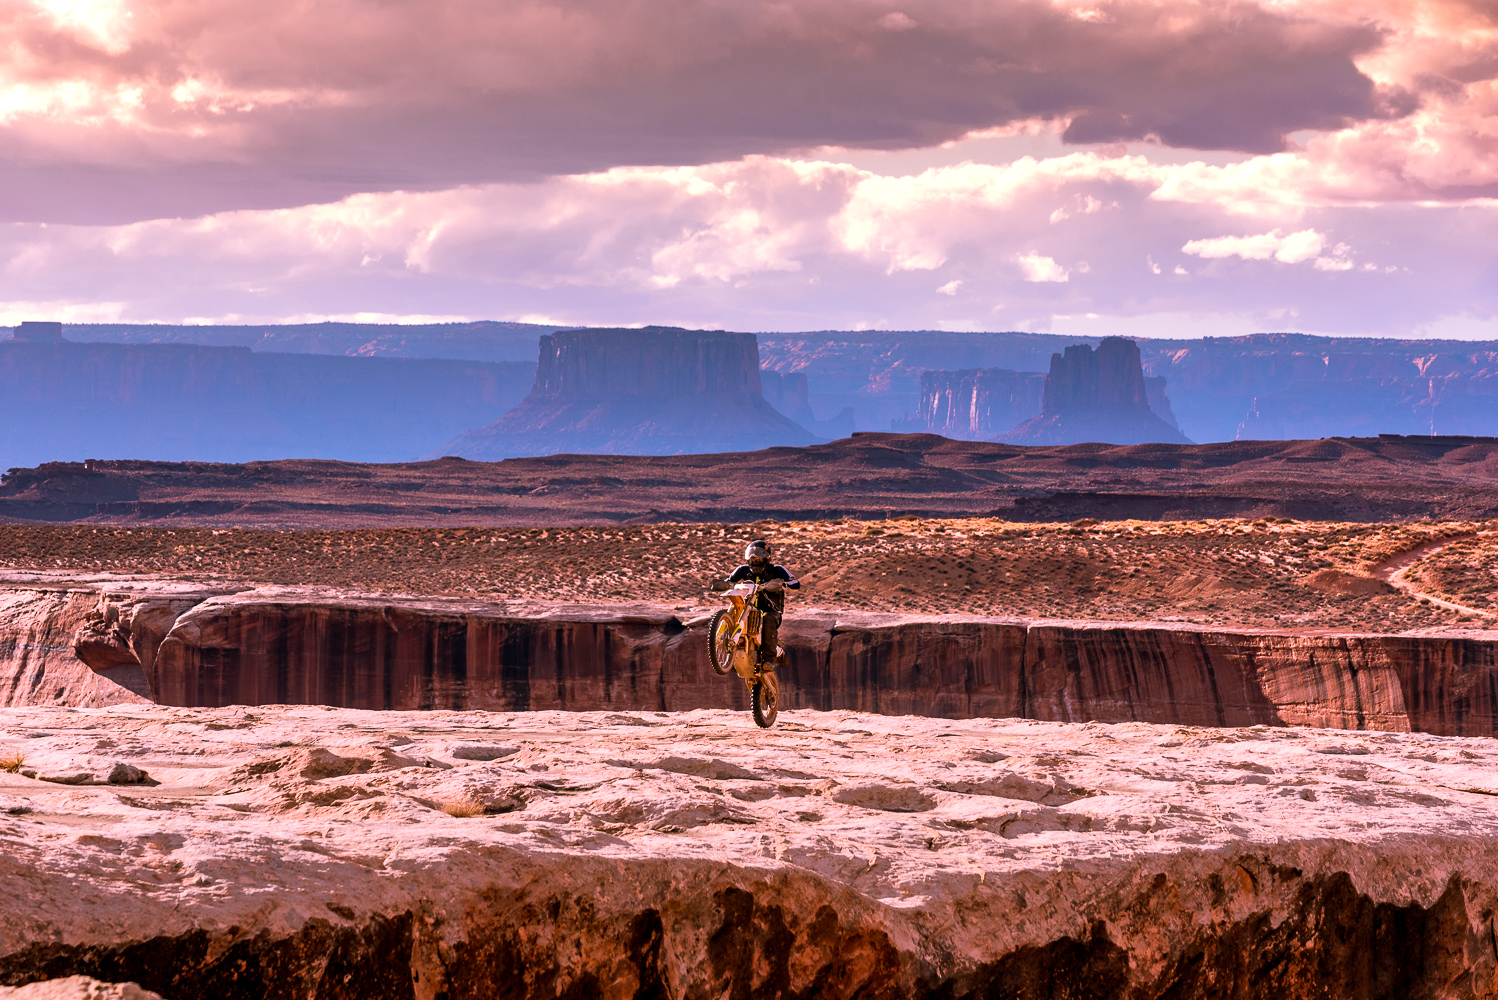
column 757, row 553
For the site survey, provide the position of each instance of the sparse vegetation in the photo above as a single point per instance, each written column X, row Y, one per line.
column 463, row 808
column 1264, row 572
column 11, row 761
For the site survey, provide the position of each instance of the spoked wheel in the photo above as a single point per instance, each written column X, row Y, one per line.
column 765, row 700
column 720, row 642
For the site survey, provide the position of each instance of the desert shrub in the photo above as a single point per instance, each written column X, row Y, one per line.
column 463, row 808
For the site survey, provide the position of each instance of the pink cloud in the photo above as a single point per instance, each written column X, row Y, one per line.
column 183, row 107
column 770, row 243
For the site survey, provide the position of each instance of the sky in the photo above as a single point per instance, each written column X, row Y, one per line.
column 1139, row 167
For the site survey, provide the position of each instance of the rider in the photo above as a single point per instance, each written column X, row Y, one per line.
column 771, row 601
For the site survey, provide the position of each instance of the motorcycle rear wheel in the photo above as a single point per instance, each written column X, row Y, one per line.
column 765, row 703
column 719, row 642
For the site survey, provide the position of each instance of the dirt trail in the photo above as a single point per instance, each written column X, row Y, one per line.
column 1393, row 571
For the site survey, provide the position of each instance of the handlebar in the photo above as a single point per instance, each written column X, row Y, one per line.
column 771, row 586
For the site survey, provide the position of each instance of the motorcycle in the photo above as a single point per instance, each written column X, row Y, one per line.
column 733, row 645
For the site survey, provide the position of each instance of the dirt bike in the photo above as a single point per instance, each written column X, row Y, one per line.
column 733, row 644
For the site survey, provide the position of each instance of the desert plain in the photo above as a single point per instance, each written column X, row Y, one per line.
column 1261, row 572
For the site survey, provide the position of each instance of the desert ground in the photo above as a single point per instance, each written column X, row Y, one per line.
column 301, row 851
column 868, row 476
column 1266, row 572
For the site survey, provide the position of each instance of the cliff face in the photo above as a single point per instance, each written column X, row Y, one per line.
column 983, row 403
column 85, row 642
column 976, row 404
column 1213, row 381
column 656, row 391
column 790, row 393
column 1442, row 405
column 70, row 402
column 1097, row 396
column 284, row 646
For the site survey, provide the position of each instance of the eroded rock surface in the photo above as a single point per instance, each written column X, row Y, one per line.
column 281, row 645
column 307, row 852
column 86, row 640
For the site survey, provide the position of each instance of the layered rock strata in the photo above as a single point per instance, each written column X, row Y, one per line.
column 300, row 852
column 309, row 646
column 653, row 391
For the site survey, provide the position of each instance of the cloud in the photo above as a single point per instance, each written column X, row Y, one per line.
column 1036, row 267
column 116, row 110
column 1287, row 249
column 774, row 243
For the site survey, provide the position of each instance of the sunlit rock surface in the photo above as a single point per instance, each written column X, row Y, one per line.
column 76, row 988
column 336, row 853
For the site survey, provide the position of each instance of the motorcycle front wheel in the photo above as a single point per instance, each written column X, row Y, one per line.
column 720, row 642
column 766, row 704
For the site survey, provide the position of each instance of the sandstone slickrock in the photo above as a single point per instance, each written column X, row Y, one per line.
column 690, row 855
column 275, row 645
column 652, row 391
column 1096, row 396
column 76, row 988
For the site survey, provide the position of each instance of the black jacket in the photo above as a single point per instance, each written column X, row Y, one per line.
column 776, row 600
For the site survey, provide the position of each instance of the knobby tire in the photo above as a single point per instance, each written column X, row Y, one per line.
column 722, row 660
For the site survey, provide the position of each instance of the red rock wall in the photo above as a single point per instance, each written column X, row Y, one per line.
column 304, row 647
column 38, row 663
column 360, row 653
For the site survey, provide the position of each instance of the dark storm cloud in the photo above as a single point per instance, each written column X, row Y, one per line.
column 187, row 107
